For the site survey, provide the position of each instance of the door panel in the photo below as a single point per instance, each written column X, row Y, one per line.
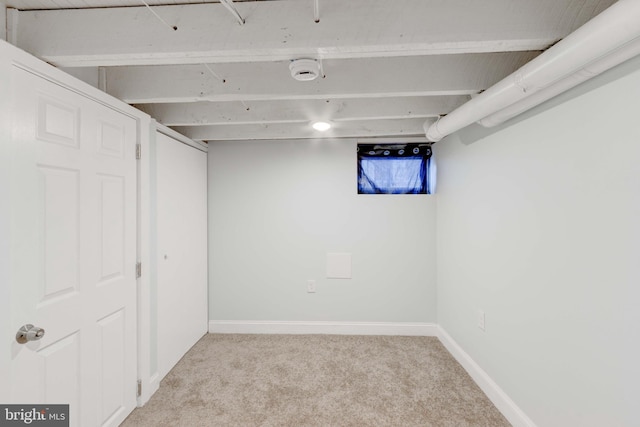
column 111, row 139
column 58, row 122
column 112, row 228
column 73, row 210
column 182, row 249
column 60, row 364
column 111, row 367
column 58, row 225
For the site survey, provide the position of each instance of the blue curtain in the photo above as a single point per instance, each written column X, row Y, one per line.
column 393, row 168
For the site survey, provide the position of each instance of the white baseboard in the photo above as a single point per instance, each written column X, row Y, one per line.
column 148, row 389
column 329, row 328
column 154, row 383
column 505, row 405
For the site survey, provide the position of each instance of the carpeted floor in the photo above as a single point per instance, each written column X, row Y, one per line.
column 317, row 380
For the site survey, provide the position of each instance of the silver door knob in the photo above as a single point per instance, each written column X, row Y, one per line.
column 29, row 333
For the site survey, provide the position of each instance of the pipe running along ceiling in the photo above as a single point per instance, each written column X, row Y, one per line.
column 602, row 43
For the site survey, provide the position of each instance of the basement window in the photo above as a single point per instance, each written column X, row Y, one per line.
column 394, row 169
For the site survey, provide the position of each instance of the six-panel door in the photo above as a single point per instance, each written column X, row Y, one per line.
column 73, row 248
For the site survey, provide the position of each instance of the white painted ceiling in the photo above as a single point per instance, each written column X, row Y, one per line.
column 388, row 64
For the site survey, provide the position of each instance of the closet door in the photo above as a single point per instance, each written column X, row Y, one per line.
column 181, row 250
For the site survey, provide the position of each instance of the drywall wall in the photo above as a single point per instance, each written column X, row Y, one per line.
column 538, row 226
column 3, row 20
column 276, row 208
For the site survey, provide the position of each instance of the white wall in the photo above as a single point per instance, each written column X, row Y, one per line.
column 539, row 226
column 3, row 20
column 277, row 207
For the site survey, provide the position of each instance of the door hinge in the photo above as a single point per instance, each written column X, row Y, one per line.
column 139, row 389
column 138, row 270
column 138, row 151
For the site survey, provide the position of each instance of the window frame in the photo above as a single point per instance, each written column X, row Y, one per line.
column 395, row 150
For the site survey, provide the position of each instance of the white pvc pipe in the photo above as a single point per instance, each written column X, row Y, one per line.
column 588, row 72
column 614, row 27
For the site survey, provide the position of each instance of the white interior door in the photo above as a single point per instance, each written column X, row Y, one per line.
column 182, row 249
column 73, row 252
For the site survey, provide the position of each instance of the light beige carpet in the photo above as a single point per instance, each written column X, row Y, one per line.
column 317, row 380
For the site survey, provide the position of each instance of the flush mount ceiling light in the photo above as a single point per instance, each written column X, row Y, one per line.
column 304, row 70
column 321, row 126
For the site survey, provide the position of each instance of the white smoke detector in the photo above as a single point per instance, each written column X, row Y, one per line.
column 304, row 70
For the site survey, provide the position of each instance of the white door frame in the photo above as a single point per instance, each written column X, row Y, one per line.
column 148, row 377
column 10, row 55
column 5, row 226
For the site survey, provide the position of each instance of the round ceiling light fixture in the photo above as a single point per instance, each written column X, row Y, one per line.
column 321, row 126
column 304, row 70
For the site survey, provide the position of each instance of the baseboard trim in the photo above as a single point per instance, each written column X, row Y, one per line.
column 154, row 382
column 148, row 389
column 500, row 399
column 328, row 328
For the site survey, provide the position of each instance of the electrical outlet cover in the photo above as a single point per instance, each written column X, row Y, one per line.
column 481, row 319
column 311, row 286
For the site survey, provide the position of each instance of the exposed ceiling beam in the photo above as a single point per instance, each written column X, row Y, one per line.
column 354, row 29
column 230, row 113
column 354, row 78
column 366, row 128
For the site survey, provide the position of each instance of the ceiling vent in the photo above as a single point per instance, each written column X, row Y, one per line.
column 304, row 70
